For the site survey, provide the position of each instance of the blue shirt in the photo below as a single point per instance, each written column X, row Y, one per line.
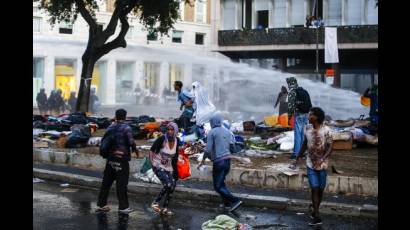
column 183, row 98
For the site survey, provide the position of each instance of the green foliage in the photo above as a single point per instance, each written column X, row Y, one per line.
column 158, row 16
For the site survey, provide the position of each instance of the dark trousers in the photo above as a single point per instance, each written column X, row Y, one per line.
column 220, row 170
column 118, row 171
column 169, row 184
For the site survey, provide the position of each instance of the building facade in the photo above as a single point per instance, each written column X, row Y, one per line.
column 274, row 34
column 57, row 54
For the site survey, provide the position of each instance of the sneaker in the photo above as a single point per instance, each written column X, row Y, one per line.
column 102, row 209
column 315, row 222
column 125, row 211
column 235, row 205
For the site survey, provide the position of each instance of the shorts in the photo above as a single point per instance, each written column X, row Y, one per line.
column 317, row 178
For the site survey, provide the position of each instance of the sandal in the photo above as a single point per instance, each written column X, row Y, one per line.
column 156, row 208
column 167, row 212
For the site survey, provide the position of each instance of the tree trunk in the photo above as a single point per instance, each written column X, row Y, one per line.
column 85, row 83
column 336, row 77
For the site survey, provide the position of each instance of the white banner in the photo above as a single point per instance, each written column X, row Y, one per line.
column 331, row 50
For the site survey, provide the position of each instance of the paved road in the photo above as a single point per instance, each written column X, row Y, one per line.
column 56, row 207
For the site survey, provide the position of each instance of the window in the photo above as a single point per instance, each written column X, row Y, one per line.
column 263, row 19
column 262, row 14
column 177, row 36
column 371, row 12
column 248, row 14
column 66, row 27
column 298, row 12
column 334, row 13
column 200, row 10
column 279, row 14
column 228, row 14
column 36, row 24
column 199, row 39
column 129, row 33
column 354, row 12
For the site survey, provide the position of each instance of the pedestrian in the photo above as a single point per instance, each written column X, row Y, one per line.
column 51, row 102
column 59, row 102
column 217, row 150
column 373, row 93
column 138, row 94
column 318, row 143
column 164, row 158
column 72, row 102
column 299, row 105
column 117, row 165
column 282, row 100
column 308, row 21
column 93, row 102
column 186, row 99
column 42, row 101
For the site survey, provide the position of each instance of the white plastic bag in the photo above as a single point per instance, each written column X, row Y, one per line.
column 204, row 107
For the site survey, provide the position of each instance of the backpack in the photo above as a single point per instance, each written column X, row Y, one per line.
column 107, row 143
column 303, row 103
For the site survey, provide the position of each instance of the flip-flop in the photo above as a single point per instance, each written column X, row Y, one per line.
column 156, row 208
column 165, row 211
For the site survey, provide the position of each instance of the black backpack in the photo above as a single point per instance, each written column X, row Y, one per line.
column 107, row 143
column 303, row 103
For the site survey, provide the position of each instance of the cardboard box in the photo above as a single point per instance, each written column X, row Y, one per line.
column 343, row 145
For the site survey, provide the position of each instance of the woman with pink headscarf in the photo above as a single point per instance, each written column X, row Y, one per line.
column 164, row 158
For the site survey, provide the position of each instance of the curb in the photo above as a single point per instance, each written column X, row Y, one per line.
column 240, row 176
column 273, row 202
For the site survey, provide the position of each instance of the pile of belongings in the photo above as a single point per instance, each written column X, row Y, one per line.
column 65, row 121
column 43, row 138
column 257, row 143
column 224, row 222
column 79, row 136
column 357, row 130
column 142, row 126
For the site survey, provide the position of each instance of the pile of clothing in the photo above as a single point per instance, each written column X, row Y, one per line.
column 360, row 131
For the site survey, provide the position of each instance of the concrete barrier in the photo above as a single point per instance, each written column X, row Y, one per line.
column 239, row 176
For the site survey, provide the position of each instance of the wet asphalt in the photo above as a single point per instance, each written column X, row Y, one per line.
column 56, row 207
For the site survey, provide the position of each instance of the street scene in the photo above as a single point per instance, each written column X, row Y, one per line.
column 202, row 114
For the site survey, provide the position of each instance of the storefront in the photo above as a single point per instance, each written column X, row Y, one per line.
column 65, row 76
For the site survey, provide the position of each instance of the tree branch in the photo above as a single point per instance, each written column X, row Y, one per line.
column 119, row 41
column 118, row 12
column 86, row 15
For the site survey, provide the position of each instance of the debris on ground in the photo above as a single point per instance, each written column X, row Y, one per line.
column 37, row 180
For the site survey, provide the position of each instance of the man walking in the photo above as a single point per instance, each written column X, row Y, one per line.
column 299, row 105
column 318, row 143
column 117, row 167
column 218, row 151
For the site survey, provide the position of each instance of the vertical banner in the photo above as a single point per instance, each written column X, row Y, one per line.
column 331, row 50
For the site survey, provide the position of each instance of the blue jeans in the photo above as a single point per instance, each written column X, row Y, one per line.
column 300, row 121
column 220, row 170
column 317, row 178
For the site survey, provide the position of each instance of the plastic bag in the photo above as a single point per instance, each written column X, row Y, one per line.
column 145, row 165
column 204, row 107
column 184, row 168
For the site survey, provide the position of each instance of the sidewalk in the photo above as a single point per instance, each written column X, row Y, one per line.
column 202, row 192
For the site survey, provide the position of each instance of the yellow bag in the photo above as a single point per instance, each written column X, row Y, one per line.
column 271, row 120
